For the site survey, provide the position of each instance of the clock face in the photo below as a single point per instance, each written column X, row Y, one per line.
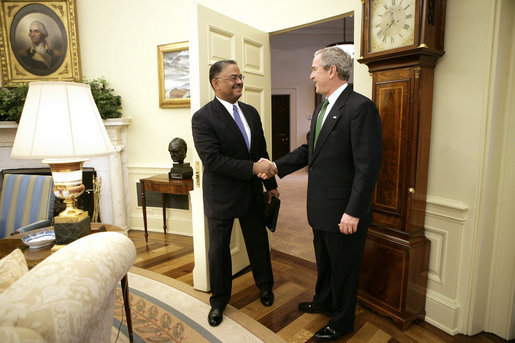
column 392, row 24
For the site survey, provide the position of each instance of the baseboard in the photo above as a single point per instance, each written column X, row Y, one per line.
column 442, row 312
column 445, row 220
column 178, row 222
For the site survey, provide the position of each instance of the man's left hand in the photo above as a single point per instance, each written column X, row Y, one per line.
column 273, row 193
column 348, row 224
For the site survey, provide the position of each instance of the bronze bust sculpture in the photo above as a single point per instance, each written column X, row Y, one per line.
column 177, row 149
column 180, row 170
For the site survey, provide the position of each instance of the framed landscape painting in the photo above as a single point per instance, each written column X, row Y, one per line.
column 174, row 75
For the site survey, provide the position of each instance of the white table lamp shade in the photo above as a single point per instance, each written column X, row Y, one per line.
column 60, row 120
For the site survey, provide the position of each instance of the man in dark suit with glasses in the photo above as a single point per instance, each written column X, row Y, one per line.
column 229, row 139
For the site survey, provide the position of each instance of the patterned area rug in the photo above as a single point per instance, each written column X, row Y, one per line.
column 166, row 310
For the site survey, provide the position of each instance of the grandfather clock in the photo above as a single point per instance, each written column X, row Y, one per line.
column 401, row 41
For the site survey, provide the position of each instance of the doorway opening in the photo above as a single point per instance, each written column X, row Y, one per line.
column 280, row 125
column 291, row 57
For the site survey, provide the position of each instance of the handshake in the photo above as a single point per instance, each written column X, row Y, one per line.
column 264, row 169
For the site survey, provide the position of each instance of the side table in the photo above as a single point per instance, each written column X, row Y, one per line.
column 35, row 256
column 161, row 183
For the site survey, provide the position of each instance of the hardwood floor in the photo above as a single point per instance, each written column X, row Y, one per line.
column 172, row 255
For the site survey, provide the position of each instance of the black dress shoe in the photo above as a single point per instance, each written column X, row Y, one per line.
column 267, row 297
column 215, row 317
column 328, row 334
column 309, row 308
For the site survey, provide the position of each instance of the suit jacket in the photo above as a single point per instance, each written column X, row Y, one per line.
column 344, row 166
column 228, row 182
column 36, row 63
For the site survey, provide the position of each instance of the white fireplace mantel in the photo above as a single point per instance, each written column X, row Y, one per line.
column 7, row 133
column 114, row 195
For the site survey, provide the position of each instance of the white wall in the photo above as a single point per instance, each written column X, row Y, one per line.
column 471, row 173
column 467, row 177
column 119, row 40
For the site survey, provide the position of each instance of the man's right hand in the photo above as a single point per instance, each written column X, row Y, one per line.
column 264, row 169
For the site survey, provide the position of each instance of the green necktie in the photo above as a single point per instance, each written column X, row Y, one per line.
column 320, row 119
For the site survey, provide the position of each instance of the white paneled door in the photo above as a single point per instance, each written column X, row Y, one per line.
column 216, row 37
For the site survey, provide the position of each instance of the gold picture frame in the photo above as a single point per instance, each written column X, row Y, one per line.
column 39, row 41
column 174, row 75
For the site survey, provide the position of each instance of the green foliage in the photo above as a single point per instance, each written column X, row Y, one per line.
column 11, row 102
column 109, row 105
column 13, row 98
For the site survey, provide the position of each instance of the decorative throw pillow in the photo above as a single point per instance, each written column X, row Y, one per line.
column 12, row 267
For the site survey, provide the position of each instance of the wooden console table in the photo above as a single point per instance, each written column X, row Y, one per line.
column 161, row 183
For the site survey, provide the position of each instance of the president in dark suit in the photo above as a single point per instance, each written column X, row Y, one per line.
column 229, row 139
column 343, row 154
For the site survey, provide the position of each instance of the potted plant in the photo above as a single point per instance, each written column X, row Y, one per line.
column 109, row 105
column 12, row 100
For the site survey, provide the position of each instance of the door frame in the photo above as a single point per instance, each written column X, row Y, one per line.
column 292, row 92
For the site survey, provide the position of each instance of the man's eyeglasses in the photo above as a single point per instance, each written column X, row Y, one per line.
column 232, row 78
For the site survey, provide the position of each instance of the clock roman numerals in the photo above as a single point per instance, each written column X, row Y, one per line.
column 391, row 24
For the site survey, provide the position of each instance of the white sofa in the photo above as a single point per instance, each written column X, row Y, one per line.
column 69, row 297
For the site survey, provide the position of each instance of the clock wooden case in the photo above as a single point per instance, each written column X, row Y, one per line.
column 401, row 43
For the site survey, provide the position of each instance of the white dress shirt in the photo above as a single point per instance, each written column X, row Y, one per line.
column 228, row 106
column 332, row 99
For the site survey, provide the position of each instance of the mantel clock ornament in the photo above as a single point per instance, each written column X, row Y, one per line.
column 401, row 41
column 180, row 170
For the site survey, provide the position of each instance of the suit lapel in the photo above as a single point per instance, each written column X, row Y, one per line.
column 330, row 121
column 226, row 118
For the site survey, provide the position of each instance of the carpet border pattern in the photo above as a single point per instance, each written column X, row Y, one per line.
column 234, row 320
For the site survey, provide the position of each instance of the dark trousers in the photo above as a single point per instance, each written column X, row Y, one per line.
column 338, row 258
column 220, row 266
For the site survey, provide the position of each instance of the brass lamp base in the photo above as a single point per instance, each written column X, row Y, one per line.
column 72, row 223
column 69, row 229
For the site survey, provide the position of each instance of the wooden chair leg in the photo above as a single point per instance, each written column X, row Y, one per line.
column 125, row 292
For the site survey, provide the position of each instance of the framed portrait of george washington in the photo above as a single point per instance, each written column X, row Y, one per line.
column 39, row 41
column 173, row 61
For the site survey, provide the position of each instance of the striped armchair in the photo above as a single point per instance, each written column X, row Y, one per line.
column 26, row 203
